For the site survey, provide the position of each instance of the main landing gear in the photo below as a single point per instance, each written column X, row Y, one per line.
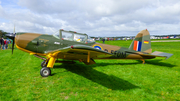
column 47, row 64
column 45, row 71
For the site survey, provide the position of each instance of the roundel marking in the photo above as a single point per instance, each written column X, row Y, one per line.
column 98, row 47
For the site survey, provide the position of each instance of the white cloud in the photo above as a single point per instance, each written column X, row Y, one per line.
column 94, row 17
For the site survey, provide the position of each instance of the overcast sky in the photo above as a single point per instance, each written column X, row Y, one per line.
column 93, row 17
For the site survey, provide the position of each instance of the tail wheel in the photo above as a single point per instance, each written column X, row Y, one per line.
column 45, row 72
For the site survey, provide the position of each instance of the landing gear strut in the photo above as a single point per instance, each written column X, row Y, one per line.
column 143, row 61
column 45, row 72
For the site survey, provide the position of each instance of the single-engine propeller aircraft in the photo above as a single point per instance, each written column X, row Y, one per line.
column 70, row 45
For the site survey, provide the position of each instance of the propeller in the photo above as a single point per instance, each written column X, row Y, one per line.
column 11, row 36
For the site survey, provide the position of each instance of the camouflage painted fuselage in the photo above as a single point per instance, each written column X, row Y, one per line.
column 41, row 44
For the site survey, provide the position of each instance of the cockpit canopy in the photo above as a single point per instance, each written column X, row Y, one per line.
column 73, row 36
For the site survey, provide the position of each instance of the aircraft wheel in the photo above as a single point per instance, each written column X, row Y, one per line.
column 43, row 64
column 45, row 72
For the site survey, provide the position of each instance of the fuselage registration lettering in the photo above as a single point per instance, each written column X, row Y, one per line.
column 117, row 53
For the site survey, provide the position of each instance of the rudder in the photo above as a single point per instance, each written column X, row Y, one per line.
column 142, row 42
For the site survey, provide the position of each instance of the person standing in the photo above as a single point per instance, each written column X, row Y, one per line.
column 5, row 43
column 103, row 40
column 9, row 44
column 2, row 42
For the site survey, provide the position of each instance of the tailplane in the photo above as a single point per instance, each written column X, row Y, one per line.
column 142, row 42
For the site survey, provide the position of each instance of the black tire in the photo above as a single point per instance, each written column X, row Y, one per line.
column 43, row 64
column 45, row 72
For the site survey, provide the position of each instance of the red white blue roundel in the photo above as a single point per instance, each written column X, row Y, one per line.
column 97, row 47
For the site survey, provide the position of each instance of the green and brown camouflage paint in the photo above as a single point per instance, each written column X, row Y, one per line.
column 42, row 44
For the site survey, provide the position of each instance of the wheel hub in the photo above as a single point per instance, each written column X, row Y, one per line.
column 46, row 72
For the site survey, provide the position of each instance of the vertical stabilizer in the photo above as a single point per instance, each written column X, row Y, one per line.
column 142, row 42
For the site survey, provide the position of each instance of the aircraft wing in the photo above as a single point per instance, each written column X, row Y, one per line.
column 80, row 52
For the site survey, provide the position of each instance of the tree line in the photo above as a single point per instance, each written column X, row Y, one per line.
column 2, row 34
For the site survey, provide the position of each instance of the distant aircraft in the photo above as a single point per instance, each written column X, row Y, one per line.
column 70, row 45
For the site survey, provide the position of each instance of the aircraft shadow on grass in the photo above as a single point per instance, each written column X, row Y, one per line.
column 159, row 63
column 109, row 81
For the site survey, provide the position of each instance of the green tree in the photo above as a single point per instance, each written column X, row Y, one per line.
column 2, row 34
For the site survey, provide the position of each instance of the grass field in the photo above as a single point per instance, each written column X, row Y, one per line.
column 107, row 80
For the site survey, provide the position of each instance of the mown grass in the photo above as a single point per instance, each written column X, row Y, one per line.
column 158, row 79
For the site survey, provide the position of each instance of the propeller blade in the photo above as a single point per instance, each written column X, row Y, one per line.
column 11, row 36
column 12, row 46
